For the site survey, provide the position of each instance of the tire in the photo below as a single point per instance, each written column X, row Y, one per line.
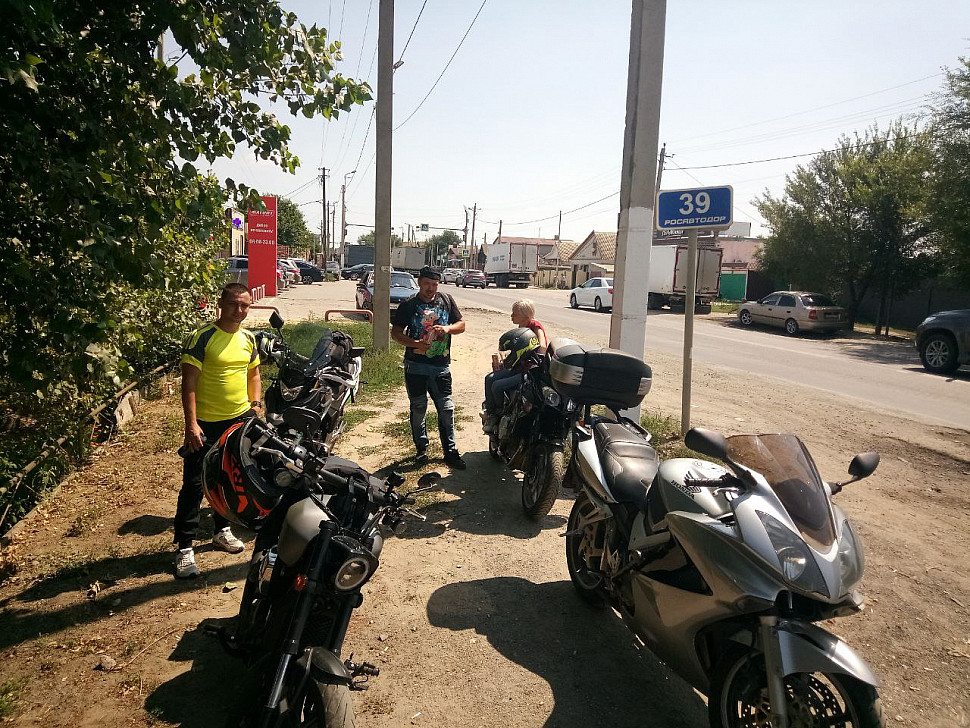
column 573, row 302
column 597, row 305
column 745, row 317
column 306, row 279
column 655, row 302
column 587, row 584
column 738, row 696
column 791, row 327
column 493, row 447
column 542, row 481
column 938, row 352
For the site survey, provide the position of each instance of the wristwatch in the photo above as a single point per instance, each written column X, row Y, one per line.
column 256, row 403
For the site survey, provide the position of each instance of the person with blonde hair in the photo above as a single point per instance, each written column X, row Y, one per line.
column 501, row 380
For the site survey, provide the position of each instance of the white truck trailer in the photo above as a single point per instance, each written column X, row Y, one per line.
column 511, row 264
column 668, row 276
column 409, row 259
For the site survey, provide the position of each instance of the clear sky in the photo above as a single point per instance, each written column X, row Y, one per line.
column 528, row 119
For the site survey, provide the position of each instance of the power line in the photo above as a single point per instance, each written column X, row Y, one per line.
column 553, row 217
column 469, row 30
column 401, row 57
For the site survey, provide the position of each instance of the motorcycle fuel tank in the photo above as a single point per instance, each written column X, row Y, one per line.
column 301, row 526
column 678, row 494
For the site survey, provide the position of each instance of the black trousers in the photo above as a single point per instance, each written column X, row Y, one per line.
column 188, row 510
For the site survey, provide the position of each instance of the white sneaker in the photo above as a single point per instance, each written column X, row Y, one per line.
column 185, row 567
column 225, row 541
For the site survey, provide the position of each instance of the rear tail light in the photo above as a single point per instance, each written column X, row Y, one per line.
column 611, row 291
column 813, row 315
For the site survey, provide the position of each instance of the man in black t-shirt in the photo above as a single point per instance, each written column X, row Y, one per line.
column 425, row 324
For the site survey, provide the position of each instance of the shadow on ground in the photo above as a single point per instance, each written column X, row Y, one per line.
column 146, row 525
column 597, row 674
column 488, row 500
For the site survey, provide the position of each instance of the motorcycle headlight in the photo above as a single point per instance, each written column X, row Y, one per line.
column 852, row 562
column 795, row 558
column 551, row 396
column 352, row 573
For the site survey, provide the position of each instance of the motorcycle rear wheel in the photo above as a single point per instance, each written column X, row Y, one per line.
column 739, row 696
column 543, row 478
column 588, row 538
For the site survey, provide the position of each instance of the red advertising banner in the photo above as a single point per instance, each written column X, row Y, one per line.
column 262, row 247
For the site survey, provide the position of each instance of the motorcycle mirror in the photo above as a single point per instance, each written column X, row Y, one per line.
column 302, row 420
column 706, row 442
column 429, row 480
column 276, row 321
column 863, row 465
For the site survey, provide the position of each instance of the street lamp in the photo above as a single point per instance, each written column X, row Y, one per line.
column 343, row 214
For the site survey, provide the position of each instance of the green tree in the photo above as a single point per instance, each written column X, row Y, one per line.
column 368, row 239
column 291, row 227
column 853, row 220
column 108, row 229
column 951, row 175
column 440, row 243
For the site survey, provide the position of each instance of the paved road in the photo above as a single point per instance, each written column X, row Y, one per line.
column 887, row 375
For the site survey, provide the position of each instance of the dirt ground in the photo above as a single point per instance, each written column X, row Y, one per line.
column 471, row 617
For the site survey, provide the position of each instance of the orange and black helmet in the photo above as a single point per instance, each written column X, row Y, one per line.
column 232, row 482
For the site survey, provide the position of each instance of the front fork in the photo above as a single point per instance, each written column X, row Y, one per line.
column 291, row 645
column 774, row 670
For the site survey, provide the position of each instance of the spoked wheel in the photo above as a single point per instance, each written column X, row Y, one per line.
column 739, row 697
column 585, row 543
column 791, row 327
column 543, row 478
column 307, row 279
column 745, row 317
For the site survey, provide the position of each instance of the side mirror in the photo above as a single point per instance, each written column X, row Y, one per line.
column 302, row 420
column 276, row 321
column 862, row 466
column 706, row 442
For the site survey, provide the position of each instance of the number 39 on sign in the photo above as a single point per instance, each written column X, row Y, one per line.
column 707, row 208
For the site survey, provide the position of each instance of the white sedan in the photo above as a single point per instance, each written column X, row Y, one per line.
column 596, row 292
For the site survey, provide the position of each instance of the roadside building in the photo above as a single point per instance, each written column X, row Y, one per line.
column 593, row 258
column 554, row 267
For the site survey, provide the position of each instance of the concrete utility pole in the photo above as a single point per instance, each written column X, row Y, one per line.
column 382, row 191
column 470, row 264
column 323, row 222
column 343, row 216
column 637, row 187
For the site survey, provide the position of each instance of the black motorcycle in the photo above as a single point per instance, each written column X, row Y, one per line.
column 531, row 436
column 314, row 552
column 324, row 382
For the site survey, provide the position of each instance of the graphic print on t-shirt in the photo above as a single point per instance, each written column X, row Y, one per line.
column 426, row 316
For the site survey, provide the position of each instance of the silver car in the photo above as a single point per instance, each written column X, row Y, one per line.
column 795, row 311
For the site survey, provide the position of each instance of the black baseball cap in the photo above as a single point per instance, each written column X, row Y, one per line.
column 430, row 273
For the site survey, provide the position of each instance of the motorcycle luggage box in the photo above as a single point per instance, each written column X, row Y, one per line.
column 598, row 375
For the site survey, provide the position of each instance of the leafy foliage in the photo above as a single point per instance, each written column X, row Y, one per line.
column 854, row 218
column 951, row 180
column 368, row 239
column 291, row 227
column 439, row 244
column 107, row 226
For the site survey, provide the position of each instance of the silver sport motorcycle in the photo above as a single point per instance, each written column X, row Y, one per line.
column 724, row 572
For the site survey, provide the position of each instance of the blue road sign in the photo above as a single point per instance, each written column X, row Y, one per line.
column 704, row 208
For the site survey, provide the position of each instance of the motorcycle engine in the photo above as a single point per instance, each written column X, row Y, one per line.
column 266, row 566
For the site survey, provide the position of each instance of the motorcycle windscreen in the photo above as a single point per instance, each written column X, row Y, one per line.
column 789, row 469
column 322, row 351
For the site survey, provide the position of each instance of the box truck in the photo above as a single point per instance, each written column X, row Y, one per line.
column 511, row 264
column 409, row 259
column 668, row 276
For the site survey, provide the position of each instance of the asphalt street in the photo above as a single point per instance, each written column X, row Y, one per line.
column 883, row 374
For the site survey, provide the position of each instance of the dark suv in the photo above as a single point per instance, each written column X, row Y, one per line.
column 943, row 341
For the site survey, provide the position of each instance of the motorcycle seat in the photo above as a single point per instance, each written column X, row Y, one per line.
column 629, row 463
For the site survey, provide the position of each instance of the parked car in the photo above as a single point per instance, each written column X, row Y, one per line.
column 795, row 311
column 333, row 267
column 596, row 292
column 355, row 272
column 403, row 287
column 308, row 272
column 291, row 270
column 238, row 270
column 943, row 341
column 471, row 277
column 451, row 275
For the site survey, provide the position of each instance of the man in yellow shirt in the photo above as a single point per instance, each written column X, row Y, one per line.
column 220, row 386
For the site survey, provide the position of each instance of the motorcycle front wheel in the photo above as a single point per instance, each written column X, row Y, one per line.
column 543, row 478
column 585, row 540
column 739, row 697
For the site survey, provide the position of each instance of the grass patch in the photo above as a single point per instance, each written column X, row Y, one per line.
column 83, row 524
column 725, row 306
column 172, row 433
column 353, row 416
column 10, row 692
column 665, row 436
